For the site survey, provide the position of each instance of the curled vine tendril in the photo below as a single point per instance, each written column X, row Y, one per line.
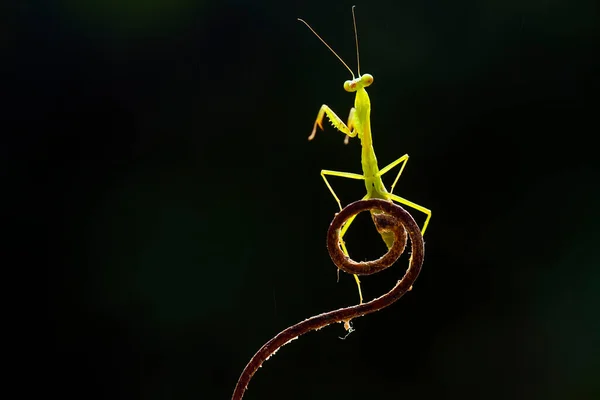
column 388, row 217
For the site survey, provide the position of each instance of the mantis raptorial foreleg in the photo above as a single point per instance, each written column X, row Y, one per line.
column 351, row 119
column 335, row 121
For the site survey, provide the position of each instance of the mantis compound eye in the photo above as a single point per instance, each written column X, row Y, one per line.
column 367, row 80
column 350, row 86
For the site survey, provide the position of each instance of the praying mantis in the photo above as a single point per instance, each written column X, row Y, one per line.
column 359, row 124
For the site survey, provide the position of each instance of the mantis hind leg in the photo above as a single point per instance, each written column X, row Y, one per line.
column 402, row 160
column 350, row 220
column 409, row 203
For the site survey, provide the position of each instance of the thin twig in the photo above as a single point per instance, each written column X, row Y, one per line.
column 391, row 218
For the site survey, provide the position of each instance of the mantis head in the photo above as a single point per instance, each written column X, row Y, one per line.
column 358, row 83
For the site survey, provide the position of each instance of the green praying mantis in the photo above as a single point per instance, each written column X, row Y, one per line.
column 359, row 124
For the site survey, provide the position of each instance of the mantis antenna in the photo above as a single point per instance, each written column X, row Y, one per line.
column 329, row 47
column 356, row 39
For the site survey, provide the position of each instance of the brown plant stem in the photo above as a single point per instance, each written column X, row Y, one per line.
column 388, row 217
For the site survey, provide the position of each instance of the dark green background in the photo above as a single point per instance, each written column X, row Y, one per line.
column 175, row 209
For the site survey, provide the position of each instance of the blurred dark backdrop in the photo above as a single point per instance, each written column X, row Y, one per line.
column 157, row 160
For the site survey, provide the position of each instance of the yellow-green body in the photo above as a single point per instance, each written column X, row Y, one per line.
column 359, row 124
column 373, row 182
